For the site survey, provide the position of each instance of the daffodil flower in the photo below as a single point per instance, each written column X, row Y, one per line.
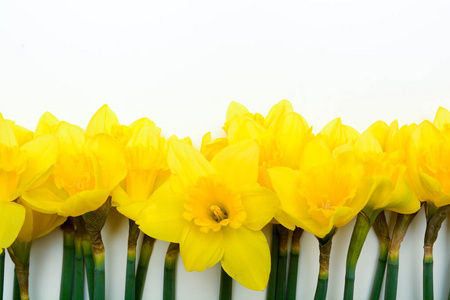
column 381, row 149
column 428, row 158
column 215, row 211
column 24, row 164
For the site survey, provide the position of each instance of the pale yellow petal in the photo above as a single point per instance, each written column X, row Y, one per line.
column 12, row 216
column 47, row 124
column 108, row 161
column 247, row 257
column 119, row 197
column 235, row 109
column 71, row 138
column 7, row 136
column 102, row 122
column 237, row 164
column 83, row 202
column 442, row 119
column 43, row 200
column 379, row 129
column 402, row 200
column 200, row 250
column 187, row 163
column 260, row 205
column 242, row 128
column 132, row 210
column 22, row 134
column 279, row 110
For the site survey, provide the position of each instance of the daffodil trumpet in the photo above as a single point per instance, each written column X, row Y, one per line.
column 381, row 230
column 435, row 217
column 142, row 268
column 401, row 226
column 226, row 286
column 19, row 252
column 67, row 273
column 2, row 272
column 275, row 247
column 293, row 264
column 130, row 281
column 94, row 222
column 170, row 266
column 324, row 262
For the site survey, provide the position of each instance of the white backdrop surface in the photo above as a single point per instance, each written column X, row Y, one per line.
column 180, row 63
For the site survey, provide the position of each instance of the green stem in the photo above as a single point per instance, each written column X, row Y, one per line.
column 2, row 272
column 226, row 286
column 435, row 217
column 144, row 259
column 67, row 274
column 293, row 264
column 94, row 222
column 324, row 260
column 282, row 263
column 390, row 292
column 382, row 231
column 428, row 274
column 170, row 265
column 360, row 231
column 86, row 245
column 401, row 226
column 19, row 252
column 16, row 287
column 272, row 286
column 78, row 282
column 130, row 277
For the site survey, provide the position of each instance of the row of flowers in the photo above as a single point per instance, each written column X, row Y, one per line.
column 212, row 204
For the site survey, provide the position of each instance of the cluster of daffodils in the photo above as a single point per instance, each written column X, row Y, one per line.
column 211, row 204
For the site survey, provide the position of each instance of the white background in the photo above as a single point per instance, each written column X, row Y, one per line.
column 180, row 63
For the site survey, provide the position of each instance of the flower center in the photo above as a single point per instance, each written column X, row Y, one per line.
column 212, row 205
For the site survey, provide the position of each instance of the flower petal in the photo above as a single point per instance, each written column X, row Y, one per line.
column 47, row 124
column 186, row 162
column 83, row 202
column 238, row 164
column 200, row 250
column 277, row 111
column 12, row 216
column 102, row 121
column 43, row 200
column 260, row 205
column 247, row 257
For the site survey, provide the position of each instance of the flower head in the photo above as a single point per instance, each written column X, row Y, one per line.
column 215, row 210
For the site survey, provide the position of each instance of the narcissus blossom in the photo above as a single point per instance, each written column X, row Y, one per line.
column 215, row 211
column 428, row 158
column 24, row 163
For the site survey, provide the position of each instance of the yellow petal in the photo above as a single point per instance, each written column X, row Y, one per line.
column 43, row 153
column 210, row 148
column 132, row 210
column 102, row 122
column 47, row 124
column 163, row 216
column 246, row 257
column 138, row 124
column 367, row 144
column 284, row 219
column 316, row 153
column 71, row 139
column 260, row 205
column 442, row 119
column 12, row 216
column 200, row 250
column 83, row 202
column 235, row 109
column 279, row 110
column 187, row 163
column 242, row 128
column 379, row 130
column 108, row 161
column 119, row 197
column 237, row 164
column 402, row 200
column 44, row 200
column 292, row 134
column 26, row 232
column 7, row 136
column 335, row 133
column 22, row 134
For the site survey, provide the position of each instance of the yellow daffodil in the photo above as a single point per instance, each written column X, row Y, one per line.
column 24, row 164
column 215, row 211
column 327, row 191
column 429, row 159
column 86, row 171
column 281, row 136
column 381, row 148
